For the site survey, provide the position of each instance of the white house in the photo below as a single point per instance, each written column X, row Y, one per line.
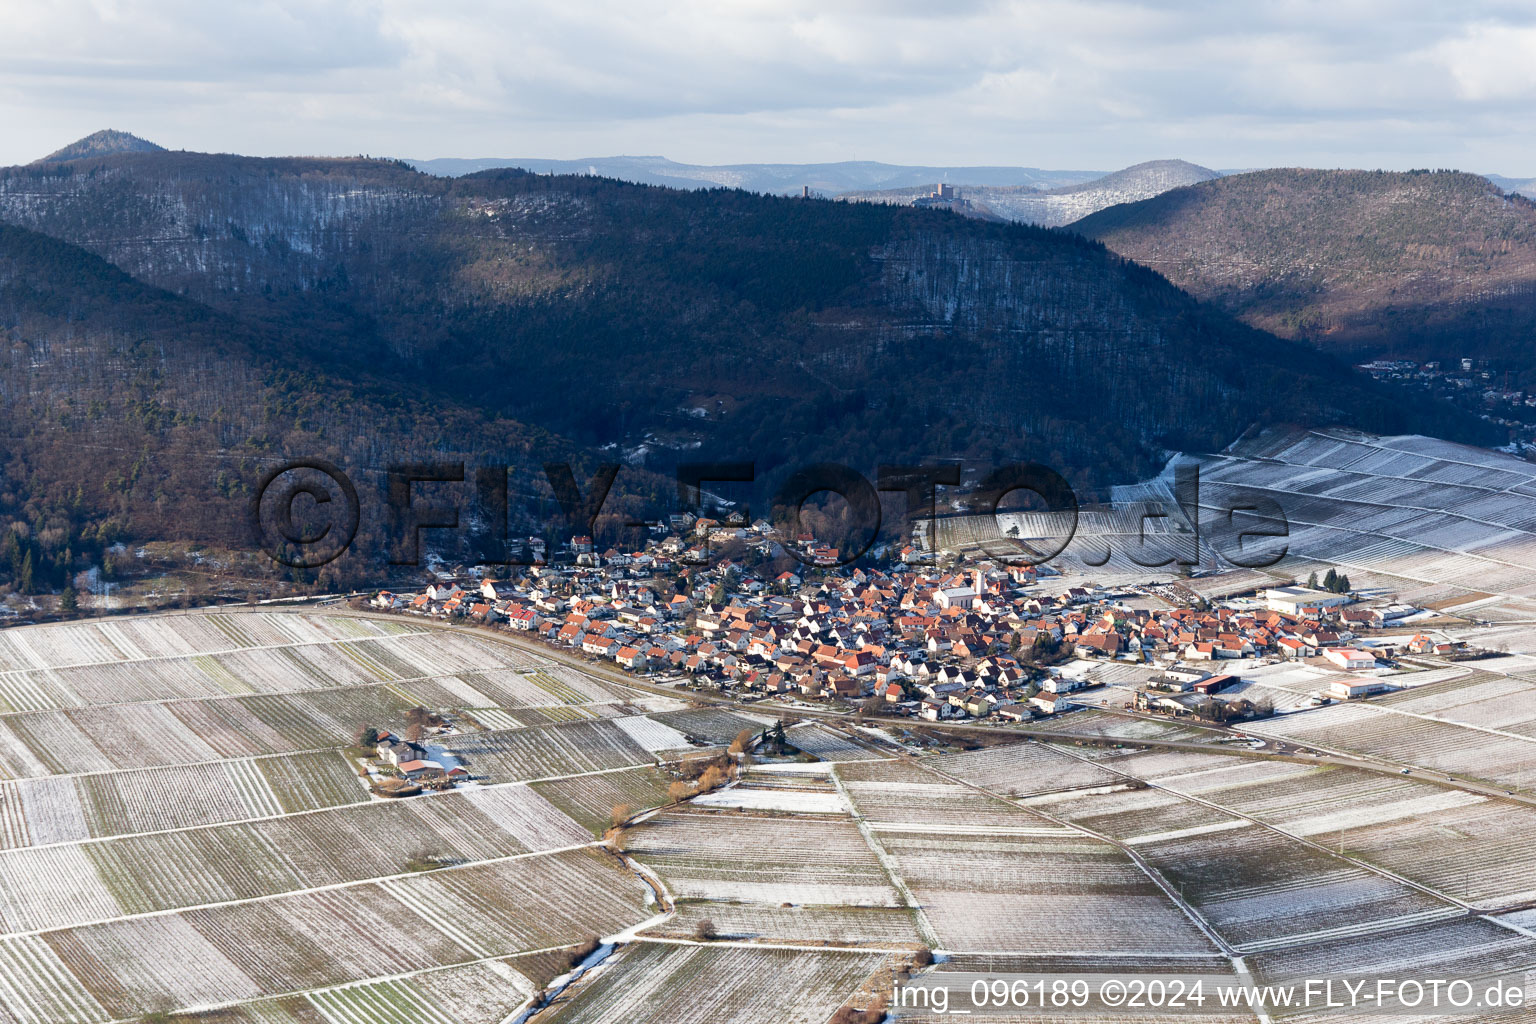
column 1346, row 689
column 956, row 597
column 1062, row 684
column 1050, row 703
column 1291, row 600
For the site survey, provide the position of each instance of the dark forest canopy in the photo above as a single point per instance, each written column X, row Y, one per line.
column 245, row 309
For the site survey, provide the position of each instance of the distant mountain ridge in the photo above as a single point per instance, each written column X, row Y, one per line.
column 1524, row 186
column 1421, row 264
column 102, row 143
column 1058, row 206
column 783, row 179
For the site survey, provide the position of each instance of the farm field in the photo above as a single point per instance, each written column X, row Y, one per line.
column 992, row 876
column 1465, row 846
column 478, row 993
column 169, row 636
column 761, row 858
column 1505, row 760
column 260, row 653
column 1336, row 486
column 830, row 745
column 193, row 657
column 1023, row 769
column 180, row 825
column 530, row 904
column 551, row 751
column 1216, row 968
column 903, row 796
column 714, row 725
column 67, row 809
column 1092, row 722
column 653, row 983
column 123, row 737
column 590, row 799
column 793, row 793
column 1471, row 847
column 1015, row 894
column 594, row 745
column 1466, row 948
column 307, row 941
column 183, row 828
column 1260, row 890
column 887, row 927
column 1135, row 817
column 58, row 886
column 484, row 992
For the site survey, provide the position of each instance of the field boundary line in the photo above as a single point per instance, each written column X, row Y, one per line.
column 378, row 880
column 426, row 678
column 1319, row 847
column 1153, row 875
column 7, row 673
column 887, row 864
column 356, row 983
column 370, row 802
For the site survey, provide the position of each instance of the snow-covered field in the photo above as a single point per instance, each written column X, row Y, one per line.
column 764, row 859
column 793, row 801
column 185, row 847
column 651, row 983
column 1430, row 520
column 180, row 826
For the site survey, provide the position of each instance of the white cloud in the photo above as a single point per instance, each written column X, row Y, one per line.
column 1099, row 83
column 1492, row 62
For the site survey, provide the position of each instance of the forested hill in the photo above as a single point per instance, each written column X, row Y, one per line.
column 1420, row 264
column 131, row 414
column 101, row 144
column 683, row 324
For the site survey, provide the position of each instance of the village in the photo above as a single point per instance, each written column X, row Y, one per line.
column 930, row 636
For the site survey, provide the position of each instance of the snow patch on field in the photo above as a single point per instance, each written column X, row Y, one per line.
column 832, row 894
column 822, row 768
column 954, row 829
column 1185, row 833
column 1068, row 795
column 795, row 801
column 652, row 735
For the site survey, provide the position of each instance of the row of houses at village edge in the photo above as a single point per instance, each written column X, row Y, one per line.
column 974, row 641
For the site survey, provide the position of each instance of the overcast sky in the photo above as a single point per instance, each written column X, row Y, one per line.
column 1082, row 85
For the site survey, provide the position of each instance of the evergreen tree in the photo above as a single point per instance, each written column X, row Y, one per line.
column 68, row 602
column 1331, row 581
column 24, row 576
column 1312, row 580
column 1344, row 586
